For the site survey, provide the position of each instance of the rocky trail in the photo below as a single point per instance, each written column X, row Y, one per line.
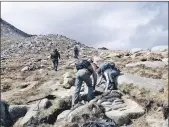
column 37, row 96
column 40, row 96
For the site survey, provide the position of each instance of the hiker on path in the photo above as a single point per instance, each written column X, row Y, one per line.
column 109, row 72
column 84, row 71
column 76, row 52
column 55, row 55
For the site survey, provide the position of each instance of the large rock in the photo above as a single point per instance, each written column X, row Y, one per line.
column 87, row 112
column 119, row 107
column 122, row 115
column 161, row 48
column 49, row 116
column 30, row 116
column 18, row 111
column 153, row 64
column 154, row 85
column 6, row 120
column 63, row 114
column 68, row 80
column 102, row 123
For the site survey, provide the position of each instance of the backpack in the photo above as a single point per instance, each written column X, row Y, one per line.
column 107, row 65
column 82, row 64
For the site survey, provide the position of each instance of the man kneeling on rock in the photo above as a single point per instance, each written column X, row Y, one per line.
column 84, row 71
column 109, row 72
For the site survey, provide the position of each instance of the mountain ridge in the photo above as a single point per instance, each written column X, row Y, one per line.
column 8, row 29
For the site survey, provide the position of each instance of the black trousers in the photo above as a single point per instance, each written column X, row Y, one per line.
column 55, row 64
column 76, row 53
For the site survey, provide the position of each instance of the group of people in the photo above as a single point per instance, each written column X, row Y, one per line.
column 55, row 56
column 89, row 72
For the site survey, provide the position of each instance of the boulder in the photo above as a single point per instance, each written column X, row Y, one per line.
column 119, row 107
column 6, row 120
column 18, row 111
column 43, row 104
column 160, row 48
column 68, row 80
column 31, row 114
column 122, row 115
column 102, row 123
column 49, row 116
column 87, row 112
column 17, row 123
column 154, row 85
column 63, row 114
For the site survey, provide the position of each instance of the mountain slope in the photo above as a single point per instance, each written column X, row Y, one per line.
column 9, row 30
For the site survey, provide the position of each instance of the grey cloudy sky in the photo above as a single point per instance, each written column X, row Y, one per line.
column 115, row 25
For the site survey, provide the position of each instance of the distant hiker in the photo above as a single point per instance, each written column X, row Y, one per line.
column 109, row 72
column 76, row 52
column 84, row 71
column 54, row 57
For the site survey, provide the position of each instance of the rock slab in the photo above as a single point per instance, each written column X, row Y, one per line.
column 154, row 85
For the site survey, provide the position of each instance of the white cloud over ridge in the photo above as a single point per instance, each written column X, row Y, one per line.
column 115, row 25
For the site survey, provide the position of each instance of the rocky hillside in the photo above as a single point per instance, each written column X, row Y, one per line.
column 9, row 30
column 37, row 95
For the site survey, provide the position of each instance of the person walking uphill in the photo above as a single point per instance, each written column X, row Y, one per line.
column 109, row 72
column 55, row 55
column 76, row 52
column 84, row 71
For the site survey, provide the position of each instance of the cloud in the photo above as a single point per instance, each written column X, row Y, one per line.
column 115, row 25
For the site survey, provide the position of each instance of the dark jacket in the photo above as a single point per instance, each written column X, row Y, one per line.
column 55, row 55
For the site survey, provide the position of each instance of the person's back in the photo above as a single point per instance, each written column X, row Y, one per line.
column 107, row 65
column 84, row 71
column 109, row 71
column 76, row 52
column 55, row 55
